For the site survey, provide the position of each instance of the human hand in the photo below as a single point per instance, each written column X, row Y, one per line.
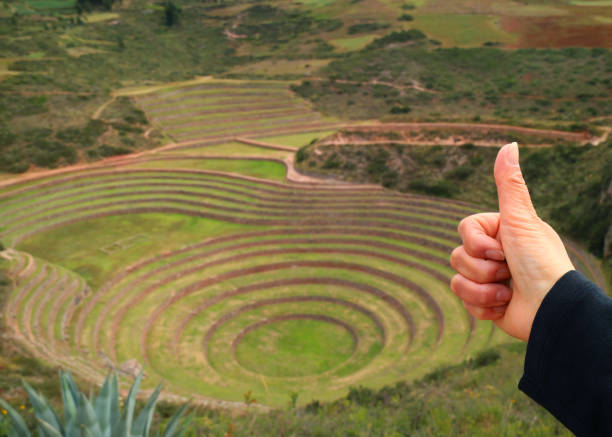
column 509, row 260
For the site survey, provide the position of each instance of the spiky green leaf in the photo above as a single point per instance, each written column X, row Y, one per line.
column 142, row 425
column 184, row 426
column 124, row 426
column 173, row 425
column 43, row 411
column 70, row 402
column 19, row 428
column 49, row 429
column 103, row 405
column 115, row 413
column 87, row 417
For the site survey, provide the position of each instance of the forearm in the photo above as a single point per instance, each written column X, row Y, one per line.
column 568, row 366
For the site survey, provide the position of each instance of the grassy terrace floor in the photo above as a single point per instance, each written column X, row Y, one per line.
column 212, row 265
column 177, row 265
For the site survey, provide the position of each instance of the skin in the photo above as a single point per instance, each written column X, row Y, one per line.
column 508, row 260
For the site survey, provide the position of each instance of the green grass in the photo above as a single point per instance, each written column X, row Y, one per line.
column 294, row 348
column 83, row 256
column 96, row 267
column 463, row 30
column 597, row 3
column 256, row 168
column 51, row 4
column 231, row 149
column 353, row 43
column 296, row 140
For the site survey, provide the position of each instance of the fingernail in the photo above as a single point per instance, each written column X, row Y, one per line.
column 497, row 255
column 504, row 295
column 499, row 309
column 502, row 273
column 512, row 155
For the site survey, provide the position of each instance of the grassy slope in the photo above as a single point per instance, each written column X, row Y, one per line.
column 475, row 398
column 568, row 184
column 514, row 87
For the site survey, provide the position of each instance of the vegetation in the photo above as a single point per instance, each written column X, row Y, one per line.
column 96, row 417
column 203, row 263
column 459, row 84
column 366, row 27
column 171, row 13
column 569, row 184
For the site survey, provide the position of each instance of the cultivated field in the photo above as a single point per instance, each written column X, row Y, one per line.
column 215, row 266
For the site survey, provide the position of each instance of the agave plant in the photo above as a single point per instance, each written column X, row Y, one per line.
column 99, row 417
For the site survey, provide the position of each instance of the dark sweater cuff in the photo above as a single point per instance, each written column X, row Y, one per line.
column 547, row 331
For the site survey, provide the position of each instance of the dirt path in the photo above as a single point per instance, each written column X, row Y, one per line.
column 401, row 88
column 596, row 141
column 549, row 133
column 265, row 145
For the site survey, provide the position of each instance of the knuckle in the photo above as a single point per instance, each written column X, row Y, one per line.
column 454, row 257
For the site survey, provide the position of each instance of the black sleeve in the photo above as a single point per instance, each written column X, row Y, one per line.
column 568, row 365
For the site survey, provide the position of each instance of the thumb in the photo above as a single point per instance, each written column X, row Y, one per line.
column 515, row 205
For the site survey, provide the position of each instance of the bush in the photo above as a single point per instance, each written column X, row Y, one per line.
column 7, row 138
column 106, row 151
column 400, row 110
column 366, row 27
column 441, row 188
column 390, row 179
column 461, row 173
column 50, row 153
column 398, row 37
column 484, row 358
column 332, row 162
column 83, row 136
column 406, row 17
column 378, row 164
column 301, row 155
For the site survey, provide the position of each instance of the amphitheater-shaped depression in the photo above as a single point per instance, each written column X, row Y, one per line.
column 220, row 282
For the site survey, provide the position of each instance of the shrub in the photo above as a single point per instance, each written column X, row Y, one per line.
column 400, row 110
column 95, row 417
column 398, row 37
column 366, row 27
column 378, row 164
column 105, row 151
column 406, row 17
column 13, row 161
column 331, row 162
column 82, row 136
column 7, row 138
column 441, row 188
column 484, row 358
column 49, row 154
column 301, row 155
column 390, row 179
column 461, row 173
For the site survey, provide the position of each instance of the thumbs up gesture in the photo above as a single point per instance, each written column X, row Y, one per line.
column 509, row 260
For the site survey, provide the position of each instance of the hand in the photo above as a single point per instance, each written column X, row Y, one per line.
column 509, row 260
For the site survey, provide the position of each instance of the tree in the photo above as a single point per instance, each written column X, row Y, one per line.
column 171, row 13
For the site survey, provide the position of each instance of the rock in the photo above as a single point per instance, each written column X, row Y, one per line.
column 131, row 367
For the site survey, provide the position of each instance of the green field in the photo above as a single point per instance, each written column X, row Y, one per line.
column 161, row 220
column 253, row 263
column 463, row 30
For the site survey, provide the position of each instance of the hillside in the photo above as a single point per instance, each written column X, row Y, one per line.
column 476, row 397
column 570, row 185
column 257, row 200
